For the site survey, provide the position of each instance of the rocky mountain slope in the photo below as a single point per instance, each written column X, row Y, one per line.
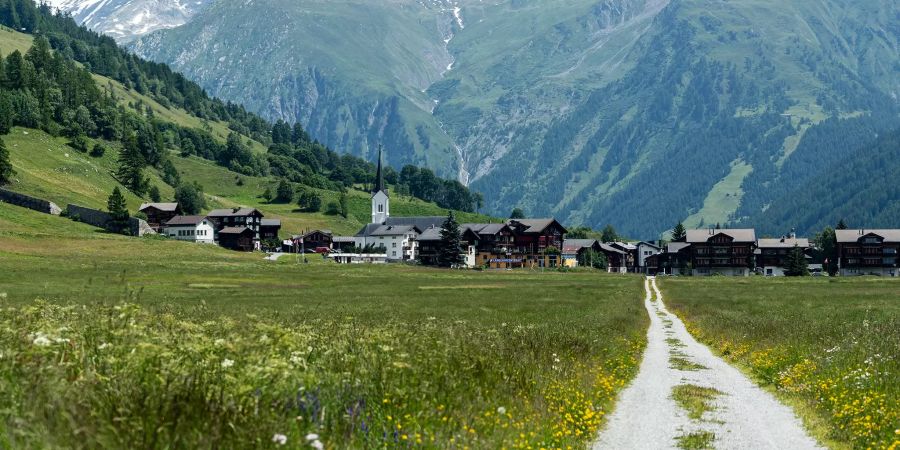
column 126, row 20
column 635, row 112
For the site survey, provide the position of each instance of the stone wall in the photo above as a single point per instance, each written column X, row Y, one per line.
column 27, row 201
column 102, row 219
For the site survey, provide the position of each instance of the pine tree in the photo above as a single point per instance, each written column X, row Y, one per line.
column 118, row 211
column 6, row 169
column 154, row 194
column 679, row 234
column 517, row 213
column 796, row 265
column 131, row 167
column 826, row 241
column 841, row 225
column 450, row 248
column 285, row 192
column 344, row 208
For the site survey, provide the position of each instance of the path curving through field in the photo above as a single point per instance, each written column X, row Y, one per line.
column 737, row 414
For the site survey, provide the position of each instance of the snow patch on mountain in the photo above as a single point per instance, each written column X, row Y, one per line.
column 125, row 20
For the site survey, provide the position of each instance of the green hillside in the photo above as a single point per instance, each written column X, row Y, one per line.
column 631, row 112
column 49, row 166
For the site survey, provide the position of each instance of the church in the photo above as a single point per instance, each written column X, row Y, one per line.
column 394, row 236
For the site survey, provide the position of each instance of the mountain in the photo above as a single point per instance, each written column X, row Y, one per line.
column 639, row 113
column 126, row 20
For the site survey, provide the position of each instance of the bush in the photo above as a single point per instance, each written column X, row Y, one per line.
column 309, row 201
column 284, row 193
column 80, row 143
column 332, row 208
column 98, row 151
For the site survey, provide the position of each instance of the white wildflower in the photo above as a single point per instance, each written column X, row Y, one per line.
column 103, row 346
column 226, row 363
column 219, row 342
column 279, row 439
column 312, row 437
column 432, row 318
column 2, row 294
column 501, row 410
column 40, row 339
column 316, row 445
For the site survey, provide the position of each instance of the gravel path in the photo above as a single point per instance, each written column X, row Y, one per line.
column 743, row 416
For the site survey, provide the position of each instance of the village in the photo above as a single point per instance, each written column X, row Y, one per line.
column 530, row 244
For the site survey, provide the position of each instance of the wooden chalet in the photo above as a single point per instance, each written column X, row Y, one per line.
column 249, row 218
column 725, row 252
column 540, row 241
column 772, row 254
column 158, row 214
column 241, row 239
column 868, row 252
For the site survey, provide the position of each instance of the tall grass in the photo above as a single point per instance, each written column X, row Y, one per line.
column 831, row 346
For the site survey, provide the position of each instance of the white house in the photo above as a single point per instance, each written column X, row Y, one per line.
column 190, row 228
column 644, row 251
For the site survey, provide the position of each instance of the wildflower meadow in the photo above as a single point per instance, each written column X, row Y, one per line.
column 432, row 360
column 830, row 347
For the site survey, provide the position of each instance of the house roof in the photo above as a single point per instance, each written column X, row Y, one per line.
column 610, row 249
column 343, row 239
column 848, row 236
column 535, row 225
column 738, row 235
column 234, row 212
column 421, row 223
column 235, row 230
column 574, row 245
column 431, row 234
column 395, row 230
column 270, row 222
column 675, row 247
column 180, row 221
column 168, row 207
column 783, row 243
column 624, row 245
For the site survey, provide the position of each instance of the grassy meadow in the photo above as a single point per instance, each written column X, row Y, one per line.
column 107, row 341
column 830, row 347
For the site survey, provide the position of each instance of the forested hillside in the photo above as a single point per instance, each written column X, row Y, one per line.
column 639, row 113
column 138, row 122
column 860, row 188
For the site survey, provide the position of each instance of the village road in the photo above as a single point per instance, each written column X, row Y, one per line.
column 743, row 415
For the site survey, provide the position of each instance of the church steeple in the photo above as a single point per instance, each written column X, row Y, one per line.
column 379, row 177
column 381, row 203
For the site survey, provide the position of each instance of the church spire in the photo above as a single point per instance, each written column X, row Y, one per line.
column 379, row 177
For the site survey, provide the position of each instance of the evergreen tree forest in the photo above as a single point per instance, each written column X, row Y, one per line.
column 50, row 87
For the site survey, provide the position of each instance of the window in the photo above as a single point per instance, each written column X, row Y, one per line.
column 394, row 245
column 394, row 253
column 380, row 208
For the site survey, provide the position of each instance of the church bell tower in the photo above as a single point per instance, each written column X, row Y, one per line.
column 380, row 201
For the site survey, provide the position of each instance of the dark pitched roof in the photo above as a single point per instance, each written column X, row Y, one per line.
column 675, row 247
column 181, row 221
column 485, row 229
column 235, row 230
column 738, row 235
column 783, row 243
column 535, row 225
column 610, row 249
column 574, row 245
column 270, row 222
column 421, row 223
column 431, row 234
column 395, row 230
column 848, row 236
column 168, row 207
column 234, row 212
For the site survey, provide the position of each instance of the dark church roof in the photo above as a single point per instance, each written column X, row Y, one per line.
column 421, row 223
column 379, row 176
